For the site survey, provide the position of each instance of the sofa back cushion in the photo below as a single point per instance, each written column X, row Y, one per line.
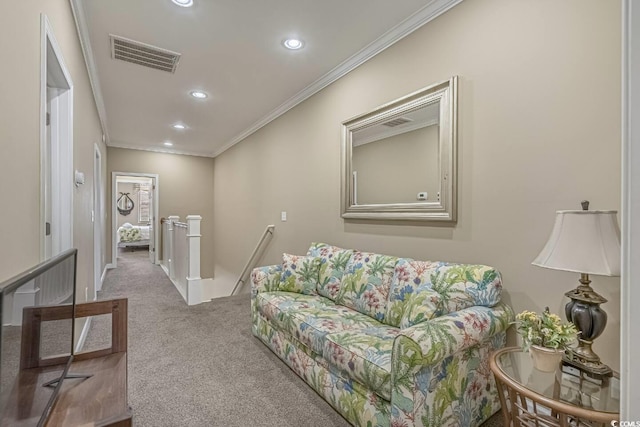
column 366, row 284
column 332, row 265
column 299, row 274
column 422, row 290
column 411, row 297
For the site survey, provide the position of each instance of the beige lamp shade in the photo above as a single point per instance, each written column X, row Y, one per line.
column 583, row 242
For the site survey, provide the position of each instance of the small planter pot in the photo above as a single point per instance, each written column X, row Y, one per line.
column 545, row 359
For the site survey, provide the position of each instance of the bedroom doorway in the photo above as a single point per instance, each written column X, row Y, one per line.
column 134, row 214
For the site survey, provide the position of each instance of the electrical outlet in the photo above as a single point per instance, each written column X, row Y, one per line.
column 283, row 216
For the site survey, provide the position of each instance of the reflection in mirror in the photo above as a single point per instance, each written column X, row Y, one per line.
column 405, row 148
column 399, row 160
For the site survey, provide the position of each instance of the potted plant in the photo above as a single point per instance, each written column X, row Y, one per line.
column 546, row 337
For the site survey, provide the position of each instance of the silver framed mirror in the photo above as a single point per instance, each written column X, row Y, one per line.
column 399, row 160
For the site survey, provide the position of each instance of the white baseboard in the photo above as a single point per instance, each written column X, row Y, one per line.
column 217, row 288
column 165, row 269
column 83, row 335
column 104, row 273
column 193, row 291
column 110, row 266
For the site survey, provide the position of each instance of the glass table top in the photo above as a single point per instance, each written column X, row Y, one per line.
column 567, row 384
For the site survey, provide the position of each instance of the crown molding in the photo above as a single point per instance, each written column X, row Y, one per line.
column 400, row 31
column 85, row 43
column 115, row 144
column 431, row 11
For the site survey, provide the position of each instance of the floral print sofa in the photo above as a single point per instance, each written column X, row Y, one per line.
column 386, row 341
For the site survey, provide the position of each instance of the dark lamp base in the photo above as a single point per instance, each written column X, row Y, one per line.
column 594, row 369
column 590, row 320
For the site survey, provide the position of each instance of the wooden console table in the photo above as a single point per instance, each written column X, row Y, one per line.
column 100, row 400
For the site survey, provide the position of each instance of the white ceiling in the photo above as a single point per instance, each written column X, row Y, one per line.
column 232, row 50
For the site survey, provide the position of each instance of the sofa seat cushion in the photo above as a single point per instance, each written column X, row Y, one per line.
column 309, row 319
column 364, row 356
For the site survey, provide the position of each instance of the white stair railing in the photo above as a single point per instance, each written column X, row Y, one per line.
column 181, row 256
column 267, row 233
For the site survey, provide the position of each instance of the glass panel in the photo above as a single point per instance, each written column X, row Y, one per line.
column 569, row 385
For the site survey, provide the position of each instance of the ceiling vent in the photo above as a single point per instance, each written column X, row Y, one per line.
column 397, row 122
column 143, row 54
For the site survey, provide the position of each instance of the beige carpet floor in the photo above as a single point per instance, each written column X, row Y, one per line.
column 200, row 365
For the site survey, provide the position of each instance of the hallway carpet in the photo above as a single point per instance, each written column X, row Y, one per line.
column 200, row 365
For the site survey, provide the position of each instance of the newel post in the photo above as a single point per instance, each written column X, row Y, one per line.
column 169, row 242
column 194, row 288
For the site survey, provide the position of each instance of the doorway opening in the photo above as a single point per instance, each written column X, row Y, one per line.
column 56, row 147
column 134, row 214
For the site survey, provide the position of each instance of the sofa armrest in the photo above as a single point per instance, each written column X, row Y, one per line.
column 265, row 279
column 440, row 368
column 445, row 335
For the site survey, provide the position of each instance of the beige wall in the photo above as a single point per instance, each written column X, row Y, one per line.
column 539, row 130
column 20, row 137
column 186, row 188
column 396, row 169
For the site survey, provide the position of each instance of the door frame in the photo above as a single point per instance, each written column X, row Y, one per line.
column 62, row 173
column 114, row 213
column 630, row 212
column 98, row 221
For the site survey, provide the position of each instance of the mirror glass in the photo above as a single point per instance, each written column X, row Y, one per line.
column 399, row 159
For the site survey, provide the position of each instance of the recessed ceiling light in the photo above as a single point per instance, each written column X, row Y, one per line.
column 179, row 126
column 198, row 94
column 168, row 144
column 183, row 3
column 293, row 44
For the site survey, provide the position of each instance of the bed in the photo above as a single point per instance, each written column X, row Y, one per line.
column 132, row 236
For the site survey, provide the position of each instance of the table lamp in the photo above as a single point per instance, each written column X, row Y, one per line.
column 585, row 242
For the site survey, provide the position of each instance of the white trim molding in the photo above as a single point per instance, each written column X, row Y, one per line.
column 400, row 31
column 83, row 334
column 61, row 153
column 104, row 272
column 98, row 220
column 630, row 215
column 116, row 144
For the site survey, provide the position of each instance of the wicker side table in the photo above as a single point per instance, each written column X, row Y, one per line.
column 566, row 397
